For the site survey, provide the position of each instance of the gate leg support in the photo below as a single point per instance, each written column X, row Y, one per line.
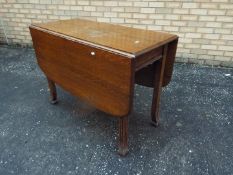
column 158, row 81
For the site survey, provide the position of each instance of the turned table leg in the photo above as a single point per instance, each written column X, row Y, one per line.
column 158, row 81
column 53, row 91
column 123, row 136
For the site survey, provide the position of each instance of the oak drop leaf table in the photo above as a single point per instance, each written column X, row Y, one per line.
column 101, row 62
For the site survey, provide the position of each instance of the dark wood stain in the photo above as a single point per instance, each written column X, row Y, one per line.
column 100, row 63
column 103, row 79
column 130, row 40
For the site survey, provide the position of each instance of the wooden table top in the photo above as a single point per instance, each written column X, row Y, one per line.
column 129, row 41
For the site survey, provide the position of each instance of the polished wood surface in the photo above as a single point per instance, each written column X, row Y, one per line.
column 130, row 40
column 101, row 78
column 100, row 63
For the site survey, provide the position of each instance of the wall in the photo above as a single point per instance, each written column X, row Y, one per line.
column 205, row 27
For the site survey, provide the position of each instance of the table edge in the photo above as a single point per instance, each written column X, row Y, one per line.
column 115, row 51
column 102, row 47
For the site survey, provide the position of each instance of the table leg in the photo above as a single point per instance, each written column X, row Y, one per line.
column 123, row 135
column 53, row 91
column 158, row 81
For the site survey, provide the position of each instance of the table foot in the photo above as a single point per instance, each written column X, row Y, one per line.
column 155, row 124
column 123, row 151
column 53, row 102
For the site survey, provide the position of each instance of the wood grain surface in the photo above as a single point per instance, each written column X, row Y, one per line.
column 121, row 38
column 102, row 78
